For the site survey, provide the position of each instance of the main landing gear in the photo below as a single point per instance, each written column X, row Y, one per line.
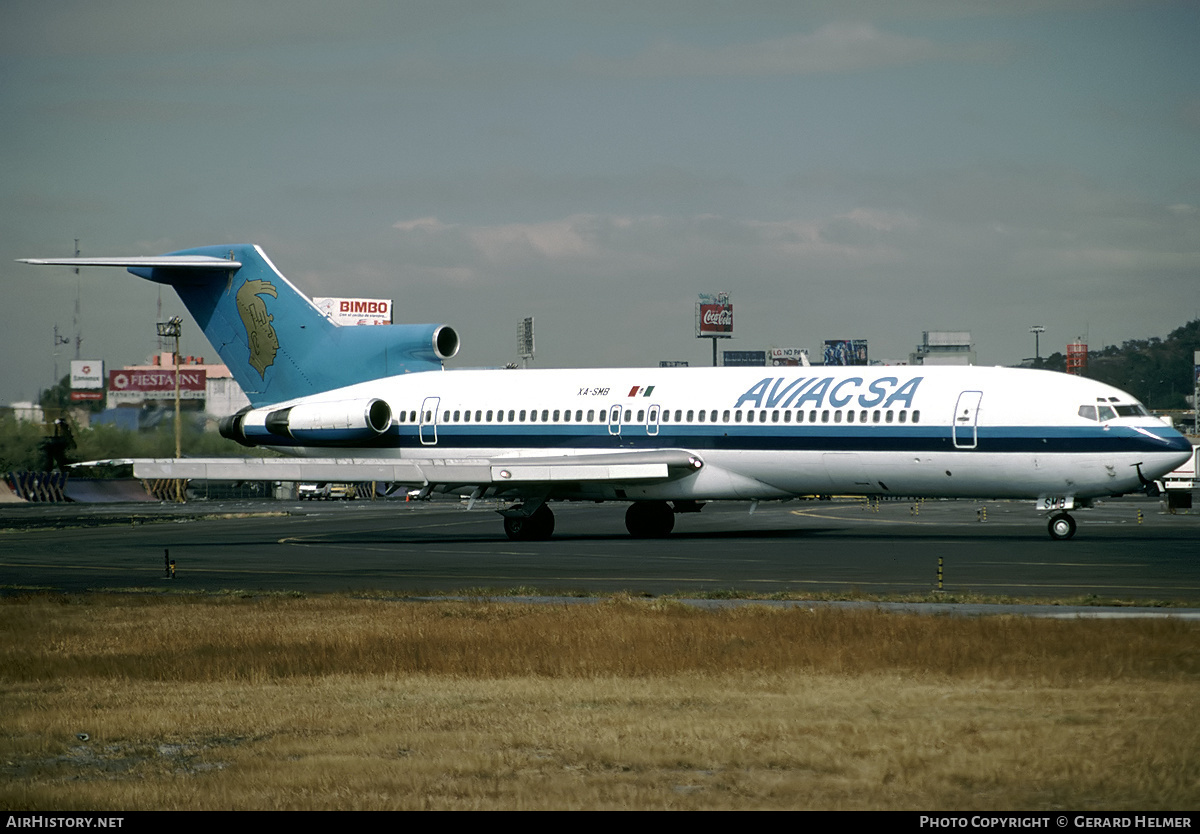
column 1062, row 526
column 643, row 520
column 535, row 527
column 649, row 519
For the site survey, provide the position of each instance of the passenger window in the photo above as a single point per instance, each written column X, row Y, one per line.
column 545, row 415
column 591, row 415
column 825, row 416
column 522, row 415
column 701, row 415
column 691, row 415
column 874, row 416
column 557, row 414
column 888, row 416
column 837, row 416
column 917, row 416
column 641, row 415
column 579, row 415
column 903, row 416
column 737, row 416
column 812, row 416
column 787, row 416
column 774, row 416
column 628, row 415
column 725, row 416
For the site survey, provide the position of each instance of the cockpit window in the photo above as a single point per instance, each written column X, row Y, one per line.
column 1103, row 412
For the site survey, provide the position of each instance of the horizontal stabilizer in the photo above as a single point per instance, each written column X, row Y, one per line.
column 170, row 261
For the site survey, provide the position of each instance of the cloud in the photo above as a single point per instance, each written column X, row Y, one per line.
column 655, row 244
column 834, row 48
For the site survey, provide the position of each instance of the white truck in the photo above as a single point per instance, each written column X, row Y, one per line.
column 1179, row 483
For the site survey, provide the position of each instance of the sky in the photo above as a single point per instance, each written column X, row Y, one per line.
column 852, row 169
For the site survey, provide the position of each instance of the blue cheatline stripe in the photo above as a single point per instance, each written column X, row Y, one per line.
column 760, row 438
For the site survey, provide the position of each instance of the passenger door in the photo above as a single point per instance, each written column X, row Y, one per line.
column 966, row 420
column 428, row 428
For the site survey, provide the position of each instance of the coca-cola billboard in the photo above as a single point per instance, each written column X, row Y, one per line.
column 714, row 317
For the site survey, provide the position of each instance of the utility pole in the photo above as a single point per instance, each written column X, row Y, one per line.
column 173, row 328
column 78, row 294
column 58, row 340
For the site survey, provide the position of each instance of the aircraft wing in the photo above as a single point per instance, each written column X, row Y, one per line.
column 500, row 472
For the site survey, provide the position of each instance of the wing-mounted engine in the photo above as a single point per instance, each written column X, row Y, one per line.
column 336, row 423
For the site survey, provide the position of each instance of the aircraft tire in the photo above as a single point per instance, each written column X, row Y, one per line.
column 649, row 519
column 534, row 528
column 1061, row 526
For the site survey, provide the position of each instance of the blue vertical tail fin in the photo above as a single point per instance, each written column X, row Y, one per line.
column 275, row 341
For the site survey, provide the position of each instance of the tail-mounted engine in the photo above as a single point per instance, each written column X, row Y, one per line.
column 335, row 423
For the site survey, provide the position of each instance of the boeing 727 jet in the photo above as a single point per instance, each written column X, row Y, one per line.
column 375, row 403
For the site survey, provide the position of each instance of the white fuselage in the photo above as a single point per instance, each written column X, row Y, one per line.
column 779, row 432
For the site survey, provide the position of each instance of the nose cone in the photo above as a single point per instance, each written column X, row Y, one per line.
column 1177, row 442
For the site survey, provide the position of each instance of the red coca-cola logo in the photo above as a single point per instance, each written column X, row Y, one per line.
column 716, row 317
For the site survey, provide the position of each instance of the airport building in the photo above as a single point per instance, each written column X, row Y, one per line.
column 944, row 347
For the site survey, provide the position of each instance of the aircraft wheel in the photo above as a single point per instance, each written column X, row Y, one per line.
column 536, row 527
column 1062, row 526
column 649, row 519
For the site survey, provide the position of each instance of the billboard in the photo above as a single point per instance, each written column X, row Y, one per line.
column 87, row 373
column 845, row 351
column 714, row 316
column 356, row 310
column 138, row 386
column 744, row 358
column 788, row 357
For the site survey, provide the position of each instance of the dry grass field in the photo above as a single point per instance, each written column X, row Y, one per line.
column 338, row 702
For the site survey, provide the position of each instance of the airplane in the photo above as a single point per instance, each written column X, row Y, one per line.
column 376, row 404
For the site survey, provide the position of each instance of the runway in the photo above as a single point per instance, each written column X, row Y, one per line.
column 841, row 547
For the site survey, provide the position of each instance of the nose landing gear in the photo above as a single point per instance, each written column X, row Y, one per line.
column 1061, row 526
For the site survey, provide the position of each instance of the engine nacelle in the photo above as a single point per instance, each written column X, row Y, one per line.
column 431, row 343
column 334, row 423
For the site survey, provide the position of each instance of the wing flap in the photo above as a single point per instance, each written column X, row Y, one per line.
column 578, row 472
column 663, row 464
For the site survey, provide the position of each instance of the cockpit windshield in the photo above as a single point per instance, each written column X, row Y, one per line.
column 1110, row 409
